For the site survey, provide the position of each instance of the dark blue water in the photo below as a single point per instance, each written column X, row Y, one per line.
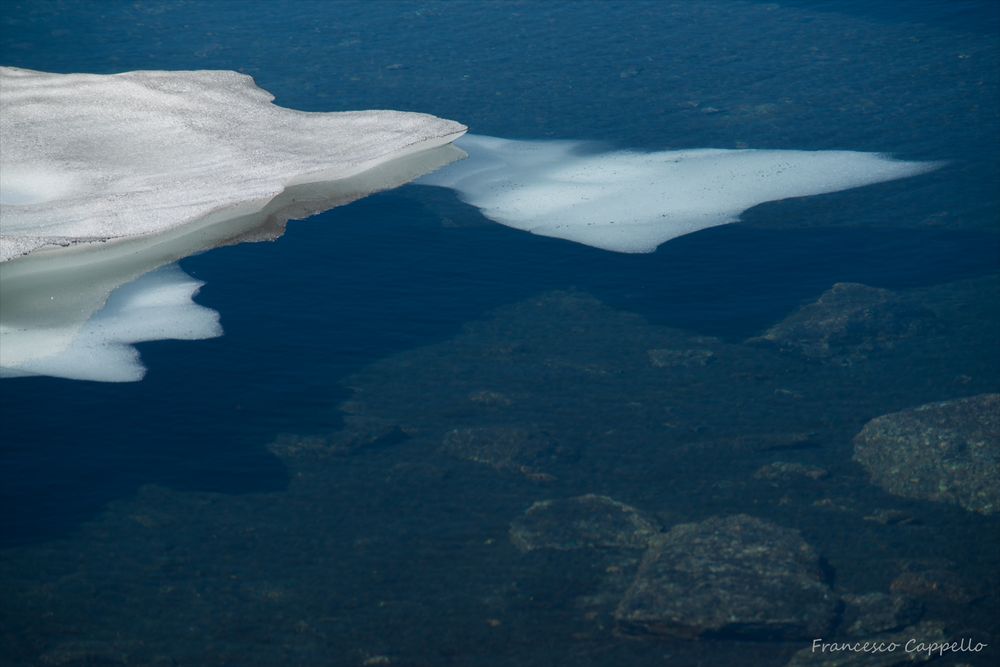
column 394, row 277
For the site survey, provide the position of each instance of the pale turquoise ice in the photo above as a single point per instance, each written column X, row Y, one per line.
column 632, row 201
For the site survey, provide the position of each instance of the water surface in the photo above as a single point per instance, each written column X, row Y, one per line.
column 225, row 511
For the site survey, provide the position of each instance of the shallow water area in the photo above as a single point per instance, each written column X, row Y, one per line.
column 428, row 439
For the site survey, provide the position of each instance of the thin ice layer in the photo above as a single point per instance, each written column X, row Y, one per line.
column 99, row 157
column 632, row 201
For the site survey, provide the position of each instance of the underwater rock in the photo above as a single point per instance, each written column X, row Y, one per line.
column 735, row 576
column 933, row 585
column 367, row 433
column 946, row 452
column 890, row 517
column 927, row 632
column 506, row 448
column 848, row 321
column 784, row 471
column 584, row 522
column 357, row 433
column 873, row 613
column 666, row 358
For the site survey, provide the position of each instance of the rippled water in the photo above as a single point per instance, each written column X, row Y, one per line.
column 305, row 490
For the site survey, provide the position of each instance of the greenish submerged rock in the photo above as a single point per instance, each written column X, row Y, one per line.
column 946, row 452
column 589, row 521
column 735, row 576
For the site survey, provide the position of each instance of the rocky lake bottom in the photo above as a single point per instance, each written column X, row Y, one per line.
column 428, row 440
column 566, row 483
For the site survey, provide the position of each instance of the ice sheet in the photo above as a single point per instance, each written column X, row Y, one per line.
column 629, row 201
column 105, row 178
column 88, row 158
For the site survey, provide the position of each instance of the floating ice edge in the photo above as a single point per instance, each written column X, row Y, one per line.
column 104, row 178
column 89, row 158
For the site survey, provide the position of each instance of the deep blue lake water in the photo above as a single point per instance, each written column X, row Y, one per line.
column 157, row 523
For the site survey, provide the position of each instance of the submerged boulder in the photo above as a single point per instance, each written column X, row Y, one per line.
column 732, row 576
column 690, row 358
column 783, row 471
column 358, row 433
column 936, row 585
column 584, row 522
column 849, row 320
column 872, row 613
column 510, row 448
column 948, row 452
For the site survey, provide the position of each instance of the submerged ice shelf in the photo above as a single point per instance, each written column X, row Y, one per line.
column 156, row 306
column 632, row 201
column 104, row 178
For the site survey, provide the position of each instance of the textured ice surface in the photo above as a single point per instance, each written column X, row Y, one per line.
column 91, row 157
column 105, row 178
column 632, row 201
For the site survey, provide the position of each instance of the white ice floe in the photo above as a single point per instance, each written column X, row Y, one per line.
column 629, row 201
column 104, row 178
column 88, row 158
